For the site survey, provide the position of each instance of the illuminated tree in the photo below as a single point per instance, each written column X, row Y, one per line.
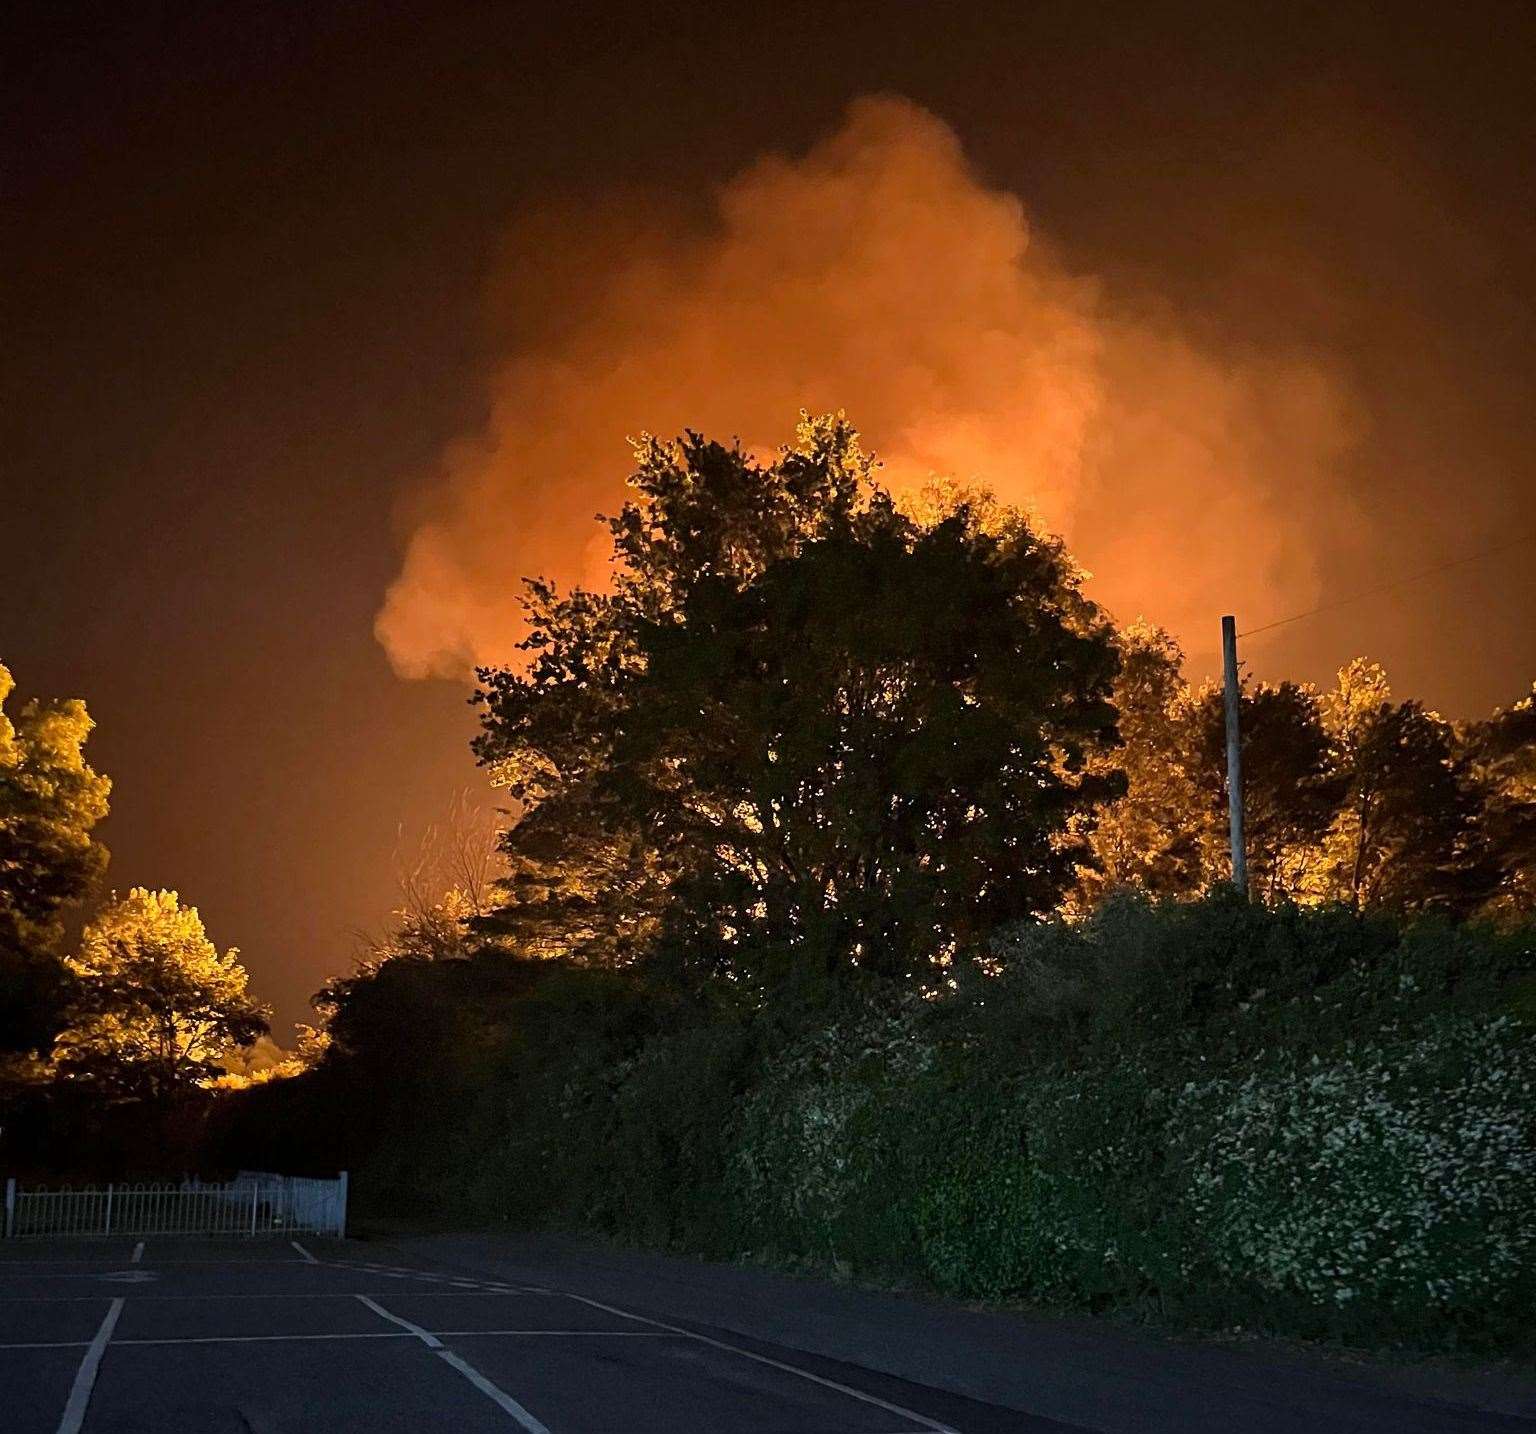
column 1407, row 836
column 1291, row 788
column 264, row 1060
column 158, row 1004
column 805, row 727
column 1153, row 838
column 50, row 803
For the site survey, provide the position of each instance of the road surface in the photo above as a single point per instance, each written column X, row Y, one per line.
column 277, row 1337
column 271, row 1336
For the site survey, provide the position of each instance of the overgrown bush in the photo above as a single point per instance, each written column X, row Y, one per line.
column 1398, row 1178
column 1220, row 1113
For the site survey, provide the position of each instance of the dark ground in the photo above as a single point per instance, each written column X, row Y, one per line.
column 262, row 1337
column 1084, row 1373
column 534, row 1333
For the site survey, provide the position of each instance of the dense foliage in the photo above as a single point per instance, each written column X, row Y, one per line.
column 156, row 1003
column 863, row 904
column 1350, row 796
column 102, row 1039
column 1305, row 1120
column 804, row 727
column 50, row 802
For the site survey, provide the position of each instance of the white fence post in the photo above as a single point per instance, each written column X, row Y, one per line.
column 255, row 1192
column 10, row 1205
column 341, row 1206
column 108, row 1229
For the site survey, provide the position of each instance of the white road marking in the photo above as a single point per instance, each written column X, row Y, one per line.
column 495, row 1394
column 401, row 1272
column 366, row 1334
column 85, row 1376
column 51, row 1344
column 6, row 1261
column 571, row 1333
column 898, row 1409
column 326, row 1295
column 425, row 1335
column 138, row 1253
column 260, row 1338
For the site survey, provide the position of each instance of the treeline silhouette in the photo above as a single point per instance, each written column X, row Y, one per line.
column 863, row 901
column 866, row 904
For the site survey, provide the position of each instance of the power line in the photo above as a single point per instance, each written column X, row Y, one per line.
column 1395, row 583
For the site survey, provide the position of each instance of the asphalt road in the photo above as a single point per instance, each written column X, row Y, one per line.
column 276, row 1337
column 1017, row 1370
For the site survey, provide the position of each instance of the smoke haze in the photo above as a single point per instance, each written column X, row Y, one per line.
column 877, row 274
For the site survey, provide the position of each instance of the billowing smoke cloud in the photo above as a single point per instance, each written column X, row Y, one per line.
column 876, row 274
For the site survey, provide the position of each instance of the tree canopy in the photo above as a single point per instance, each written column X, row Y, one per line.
column 1350, row 797
column 50, row 803
column 805, row 725
column 157, row 1004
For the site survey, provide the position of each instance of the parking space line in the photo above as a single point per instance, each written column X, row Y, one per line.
column 897, row 1409
column 260, row 1338
column 494, row 1393
column 51, row 1344
column 322, row 1295
column 85, row 1376
column 570, row 1333
column 424, row 1335
column 7, row 1261
column 309, row 1258
column 138, row 1253
column 56, row 1260
column 412, row 1333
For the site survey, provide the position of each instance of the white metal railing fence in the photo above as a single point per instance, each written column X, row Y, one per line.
column 253, row 1203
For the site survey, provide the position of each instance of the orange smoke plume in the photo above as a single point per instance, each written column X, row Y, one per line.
column 879, row 275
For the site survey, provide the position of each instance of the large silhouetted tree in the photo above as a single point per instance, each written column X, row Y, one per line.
column 804, row 726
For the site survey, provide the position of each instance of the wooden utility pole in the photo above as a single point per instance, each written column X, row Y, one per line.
column 1234, row 754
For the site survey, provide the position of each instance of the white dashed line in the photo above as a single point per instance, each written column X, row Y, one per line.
column 85, row 1376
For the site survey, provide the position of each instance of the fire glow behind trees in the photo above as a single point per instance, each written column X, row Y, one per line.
column 310, row 306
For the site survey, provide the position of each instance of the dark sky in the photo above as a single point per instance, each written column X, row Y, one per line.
column 246, row 252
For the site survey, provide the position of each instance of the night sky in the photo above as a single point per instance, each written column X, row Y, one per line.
column 263, row 267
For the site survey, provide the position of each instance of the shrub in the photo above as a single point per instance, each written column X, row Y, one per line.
column 1400, row 1177
column 1303, row 1120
